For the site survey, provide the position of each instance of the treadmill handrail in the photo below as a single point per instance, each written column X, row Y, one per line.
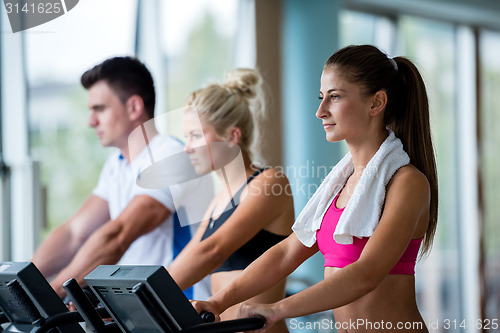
column 229, row 326
column 163, row 319
column 83, row 306
column 68, row 318
column 25, row 302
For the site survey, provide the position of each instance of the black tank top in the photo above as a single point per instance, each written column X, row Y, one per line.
column 251, row 250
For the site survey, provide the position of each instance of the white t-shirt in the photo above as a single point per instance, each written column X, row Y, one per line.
column 118, row 185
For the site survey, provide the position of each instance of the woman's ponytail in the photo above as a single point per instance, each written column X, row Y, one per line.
column 411, row 125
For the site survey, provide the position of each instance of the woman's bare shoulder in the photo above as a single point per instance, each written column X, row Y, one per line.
column 408, row 179
column 271, row 176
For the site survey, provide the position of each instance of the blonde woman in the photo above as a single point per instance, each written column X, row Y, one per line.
column 247, row 217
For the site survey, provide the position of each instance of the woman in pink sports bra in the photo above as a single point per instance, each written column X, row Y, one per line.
column 369, row 284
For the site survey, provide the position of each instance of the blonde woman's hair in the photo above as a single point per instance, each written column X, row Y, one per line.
column 239, row 102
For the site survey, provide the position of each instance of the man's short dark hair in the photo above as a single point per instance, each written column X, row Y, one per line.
column 126, row 76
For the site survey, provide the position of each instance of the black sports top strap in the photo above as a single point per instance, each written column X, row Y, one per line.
column 236, row 197
column 250, row 251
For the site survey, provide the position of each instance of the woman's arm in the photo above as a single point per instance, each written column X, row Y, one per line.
column 265, row 272
column 258, row 209
column 407, row 201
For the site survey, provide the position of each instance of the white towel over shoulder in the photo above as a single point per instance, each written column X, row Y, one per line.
column 362, row 213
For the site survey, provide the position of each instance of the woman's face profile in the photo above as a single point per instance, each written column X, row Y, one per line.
column 197, row 140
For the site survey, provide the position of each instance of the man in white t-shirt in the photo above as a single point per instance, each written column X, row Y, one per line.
column 122, row 222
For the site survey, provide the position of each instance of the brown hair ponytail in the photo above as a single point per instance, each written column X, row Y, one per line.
column 412, row 127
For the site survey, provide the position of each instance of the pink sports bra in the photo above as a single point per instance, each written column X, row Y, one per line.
column 338, row 255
